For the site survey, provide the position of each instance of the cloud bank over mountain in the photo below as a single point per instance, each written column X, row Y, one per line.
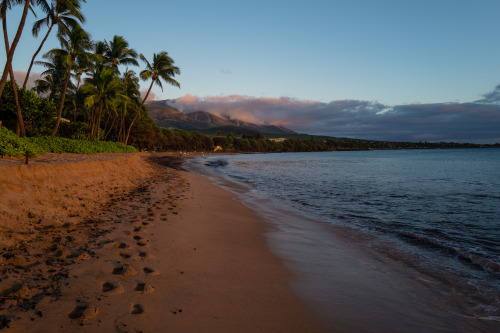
column 477, row 122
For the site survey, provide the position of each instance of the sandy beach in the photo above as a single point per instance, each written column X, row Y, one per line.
column 125, row 243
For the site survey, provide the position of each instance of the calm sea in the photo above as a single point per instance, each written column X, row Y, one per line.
column 435, row 212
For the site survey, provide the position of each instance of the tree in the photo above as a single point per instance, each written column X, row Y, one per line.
column 17, row 37
column 4, row 5
column 118, row 53
column 63, row 13
column 130, row 84
column 103, row 90
column 38, row 112
column 81, row 66
column 53, row 77
column 162, row 68
column 74, row 44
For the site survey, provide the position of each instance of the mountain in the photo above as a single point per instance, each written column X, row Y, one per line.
column 168, row 117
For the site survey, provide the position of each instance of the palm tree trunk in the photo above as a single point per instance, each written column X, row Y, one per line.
column 121, row 132
column 138, row 111
column 63, row 96
column 36, row 53
column 76, row 92
column 10, row 55
column 107, row 122
column 98, row 120
column 111, row 127
column 91, row 120
column 20, row 123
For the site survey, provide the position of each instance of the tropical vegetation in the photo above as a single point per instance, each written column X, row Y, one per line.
column 82, row 93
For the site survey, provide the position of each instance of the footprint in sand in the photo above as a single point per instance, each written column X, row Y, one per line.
column 121, row 245
column 149, row 271
column 124, row 255
column 125, row 270
column 143, row 287
column 144, row 255
column 137, row 309
column 83, row 311
column 141, row 243
column 111, row 288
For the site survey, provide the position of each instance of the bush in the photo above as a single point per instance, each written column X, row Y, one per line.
column 64, row 145
column 74, row 130
column 38, row 113
column 12, row 145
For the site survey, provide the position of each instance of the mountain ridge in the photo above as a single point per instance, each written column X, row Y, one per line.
column 169, row 117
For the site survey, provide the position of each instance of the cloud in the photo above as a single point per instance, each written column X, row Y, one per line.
column 226, row 71
column 492, row 97
column 459, row 122
column 20, row 76
column 152, row 96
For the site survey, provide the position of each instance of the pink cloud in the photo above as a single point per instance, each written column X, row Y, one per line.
column 460, row 122
column 152, row 96
column 20, row 76
column 265, row 110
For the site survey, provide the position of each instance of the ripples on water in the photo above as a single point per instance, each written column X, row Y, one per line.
column 441, row 208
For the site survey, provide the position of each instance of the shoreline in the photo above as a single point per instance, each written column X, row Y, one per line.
column 346, row 276
column 118, row 251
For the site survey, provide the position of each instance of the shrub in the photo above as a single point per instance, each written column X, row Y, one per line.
column 12, row 145
column 38, row 112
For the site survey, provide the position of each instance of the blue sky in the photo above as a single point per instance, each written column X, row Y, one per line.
column 391, row 52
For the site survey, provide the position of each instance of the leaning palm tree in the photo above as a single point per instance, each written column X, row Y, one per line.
column 102, row 90
column 162, row 68
column 75, row 44
column 4, row 6
column 130, row 84
column 17, row 37
column 63, row 13
column 118, row 53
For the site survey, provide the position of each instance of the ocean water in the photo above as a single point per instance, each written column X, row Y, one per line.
column 433, row 216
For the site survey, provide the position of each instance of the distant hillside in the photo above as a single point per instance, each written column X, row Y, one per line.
column 168, row 117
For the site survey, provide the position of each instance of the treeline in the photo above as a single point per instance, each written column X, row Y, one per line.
column 150, row 137
column 87, row 89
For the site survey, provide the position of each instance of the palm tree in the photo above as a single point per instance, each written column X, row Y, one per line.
column 17, row 37
column 118, row 53
column 53, row 77
column 130, row 84
column 162, row 68
column 63, row 13
column 4, row 5
column 75, row 44
column 102, row 89
column 81, row 66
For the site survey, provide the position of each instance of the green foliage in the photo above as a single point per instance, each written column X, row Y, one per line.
column 38, row 112
column 74, row 130
column 64, row 145
column 12, row 145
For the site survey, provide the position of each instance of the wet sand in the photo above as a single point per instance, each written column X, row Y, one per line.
column 116, row 243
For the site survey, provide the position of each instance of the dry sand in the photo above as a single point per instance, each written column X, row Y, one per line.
column 115, row 243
